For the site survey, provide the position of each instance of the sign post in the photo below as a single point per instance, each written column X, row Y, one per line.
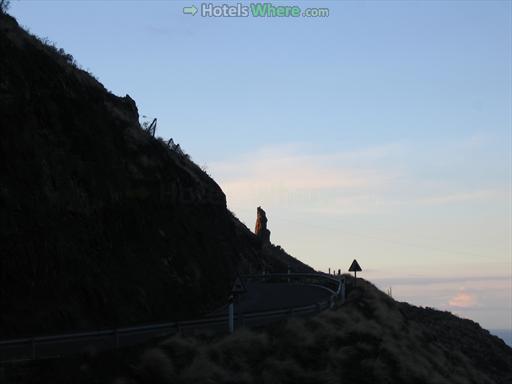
column 231, row 315
column 354, row 267
column 238, row 288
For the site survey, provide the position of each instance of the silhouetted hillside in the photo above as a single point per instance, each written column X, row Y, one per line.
column 101, row 223
column 370, row 339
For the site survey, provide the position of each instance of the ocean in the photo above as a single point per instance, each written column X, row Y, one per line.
column 504, row 334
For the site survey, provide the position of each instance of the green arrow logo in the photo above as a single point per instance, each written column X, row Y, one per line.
column 190, row 10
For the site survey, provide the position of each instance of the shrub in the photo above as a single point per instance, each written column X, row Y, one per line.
column 4, row 5
column 203, row 370
column 367, row 340
column 181, row 350
column 155, row 367
column 242, row 350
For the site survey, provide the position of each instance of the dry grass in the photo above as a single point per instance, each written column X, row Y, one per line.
column 368, row 340
column 155, row 367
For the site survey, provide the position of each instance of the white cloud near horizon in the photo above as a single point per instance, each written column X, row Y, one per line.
column 463, row 299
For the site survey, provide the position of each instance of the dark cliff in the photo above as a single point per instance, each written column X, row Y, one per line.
column 102, row 224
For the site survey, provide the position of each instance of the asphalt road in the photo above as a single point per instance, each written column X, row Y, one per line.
column 269, row 296
column 251, row 310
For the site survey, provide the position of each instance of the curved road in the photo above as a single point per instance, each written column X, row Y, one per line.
column 270, row 296
column 262, row 303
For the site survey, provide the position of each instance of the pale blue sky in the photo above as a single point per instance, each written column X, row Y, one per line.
column 382, row 132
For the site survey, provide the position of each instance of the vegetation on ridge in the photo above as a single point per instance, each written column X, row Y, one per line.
column 370, row 339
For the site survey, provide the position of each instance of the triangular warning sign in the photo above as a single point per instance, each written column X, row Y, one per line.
column 354, row 267
column 238, row 287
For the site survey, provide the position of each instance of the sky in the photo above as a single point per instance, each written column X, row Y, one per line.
column 381, row 133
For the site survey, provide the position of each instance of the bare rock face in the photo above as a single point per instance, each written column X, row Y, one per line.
column 261, row 230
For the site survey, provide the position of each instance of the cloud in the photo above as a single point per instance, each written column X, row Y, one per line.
column 371, row 180
column 322, row 183
column 432, row 280
column 483, row 194
column 462, row 299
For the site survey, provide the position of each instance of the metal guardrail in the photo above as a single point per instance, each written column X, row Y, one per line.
column 333, row 284
column 30, row 348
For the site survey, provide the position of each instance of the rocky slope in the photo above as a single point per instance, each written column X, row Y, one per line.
column 102, row 224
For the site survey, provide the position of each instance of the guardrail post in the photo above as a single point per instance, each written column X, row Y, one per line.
column 33, row 346
column 342, row 293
